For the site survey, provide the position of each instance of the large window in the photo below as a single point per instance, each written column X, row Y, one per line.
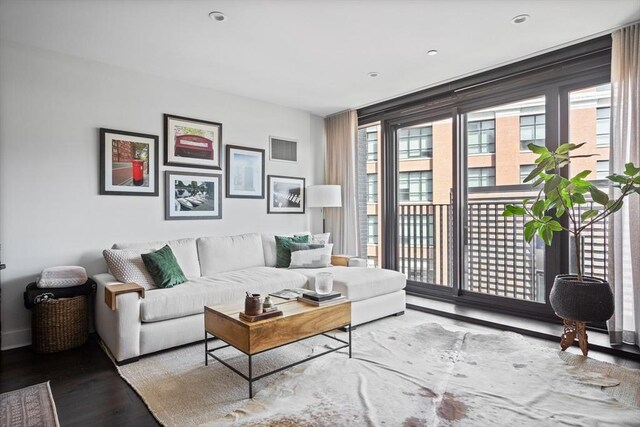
column 532, row 130
column 372, row 229
column 478, row 162
column 481, row 177
column 372, row 143
column 481, row 136
column 603, row 126
column 415, row 142
column 372, row 188
column 415, row 186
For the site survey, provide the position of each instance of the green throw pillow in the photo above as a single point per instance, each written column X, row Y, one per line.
column 283, row 249
column 163, row 267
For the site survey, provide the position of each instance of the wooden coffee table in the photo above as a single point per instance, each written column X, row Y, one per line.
column 299, row 321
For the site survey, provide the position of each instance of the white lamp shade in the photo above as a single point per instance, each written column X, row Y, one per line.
column 324, row 196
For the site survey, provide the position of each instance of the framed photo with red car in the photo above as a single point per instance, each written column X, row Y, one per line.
column 192, row 142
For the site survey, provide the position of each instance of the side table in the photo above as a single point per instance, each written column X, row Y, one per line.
column 111, row 292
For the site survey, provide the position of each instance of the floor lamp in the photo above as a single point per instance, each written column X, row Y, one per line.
column 324, row 196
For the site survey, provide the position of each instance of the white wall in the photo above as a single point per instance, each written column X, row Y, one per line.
column 51, row 107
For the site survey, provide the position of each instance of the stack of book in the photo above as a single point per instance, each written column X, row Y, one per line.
column 320, row 300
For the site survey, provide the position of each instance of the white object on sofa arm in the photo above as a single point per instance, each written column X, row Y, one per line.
column 119, row 329
column 357, row 262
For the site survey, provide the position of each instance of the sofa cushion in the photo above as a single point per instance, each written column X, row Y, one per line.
column 313, row 256
column 359, row 283
column 228, row 253
column 185, row 251
column 127, row 266
column 283, row 249
column 269, row 246
column 164, row 268
column 223, row 288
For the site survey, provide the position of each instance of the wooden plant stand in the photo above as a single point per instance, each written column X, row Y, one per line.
column 573, row 329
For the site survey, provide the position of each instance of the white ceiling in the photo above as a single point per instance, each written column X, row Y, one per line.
column 311, row 55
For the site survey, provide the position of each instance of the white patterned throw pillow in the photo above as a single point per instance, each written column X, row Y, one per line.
column 127, row 266
column 312, row 258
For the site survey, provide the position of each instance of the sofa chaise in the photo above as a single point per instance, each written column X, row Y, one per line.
column 219, row 271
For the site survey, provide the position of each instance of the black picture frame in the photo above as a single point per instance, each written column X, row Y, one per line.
column 122, row 179
column 193, row 152
column 231, row 170
column 210, row 195
column 273, row 198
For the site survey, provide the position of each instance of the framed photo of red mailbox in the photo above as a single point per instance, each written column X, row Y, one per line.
column 128, row 163
column 192, row 142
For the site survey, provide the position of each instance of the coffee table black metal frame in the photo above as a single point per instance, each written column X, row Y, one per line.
column 250, row 378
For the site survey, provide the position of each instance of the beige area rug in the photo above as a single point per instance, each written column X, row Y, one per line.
column 403, row 373
column 28, row 407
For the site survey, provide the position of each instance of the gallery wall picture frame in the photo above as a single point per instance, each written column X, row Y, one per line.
column 192, row 143
column 128, row 163
column 192, row 196
column 286, row 195
column 244, row 172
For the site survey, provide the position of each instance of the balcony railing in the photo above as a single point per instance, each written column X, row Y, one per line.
column 498, row 261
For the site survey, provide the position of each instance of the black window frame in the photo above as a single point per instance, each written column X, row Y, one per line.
column 553, row 75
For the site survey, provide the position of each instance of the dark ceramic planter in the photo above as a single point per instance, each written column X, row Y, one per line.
column 589, row 301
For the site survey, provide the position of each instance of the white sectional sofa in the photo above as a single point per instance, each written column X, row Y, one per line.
column 220, row 270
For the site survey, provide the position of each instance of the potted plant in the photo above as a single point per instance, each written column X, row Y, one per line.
column 576, row 298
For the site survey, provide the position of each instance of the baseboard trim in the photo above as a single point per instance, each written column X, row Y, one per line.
column 15, row 339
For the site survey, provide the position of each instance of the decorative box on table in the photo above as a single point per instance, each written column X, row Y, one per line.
column 58, row 316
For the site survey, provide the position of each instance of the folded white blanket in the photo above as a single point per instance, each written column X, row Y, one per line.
column 62, row 277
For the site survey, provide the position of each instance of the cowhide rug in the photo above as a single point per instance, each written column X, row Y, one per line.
column 400, row 375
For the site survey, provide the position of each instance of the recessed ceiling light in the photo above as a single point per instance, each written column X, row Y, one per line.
column 218, row 16
column 432, row 52
column 373, row 74
column 520, row 19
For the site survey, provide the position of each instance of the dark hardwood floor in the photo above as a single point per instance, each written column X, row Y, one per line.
column 88, row 390
column 86, row 386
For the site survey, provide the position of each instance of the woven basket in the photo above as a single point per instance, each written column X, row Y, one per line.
column 59, row 324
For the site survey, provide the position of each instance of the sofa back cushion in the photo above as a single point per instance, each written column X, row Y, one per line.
column 269, row 245
column 228, row 253
column 185, row 251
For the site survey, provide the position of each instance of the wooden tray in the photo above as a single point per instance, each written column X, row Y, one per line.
column 260, row 316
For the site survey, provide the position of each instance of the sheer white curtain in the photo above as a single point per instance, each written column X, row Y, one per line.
column 624, row 227
column 341, row 130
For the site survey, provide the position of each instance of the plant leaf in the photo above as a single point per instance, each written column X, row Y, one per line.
column 552, row 184
column 565, row 148
column 599, row 196
column 538, row 208
column 578, row 199
column 582, row 175
column 530, row 229
column 554, row 225
column 630, row 169
column 546, row 234
column 589, row 214
column 538, row 149
column 620, row 179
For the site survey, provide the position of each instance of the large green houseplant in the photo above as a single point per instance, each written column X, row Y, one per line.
column 574, row 297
